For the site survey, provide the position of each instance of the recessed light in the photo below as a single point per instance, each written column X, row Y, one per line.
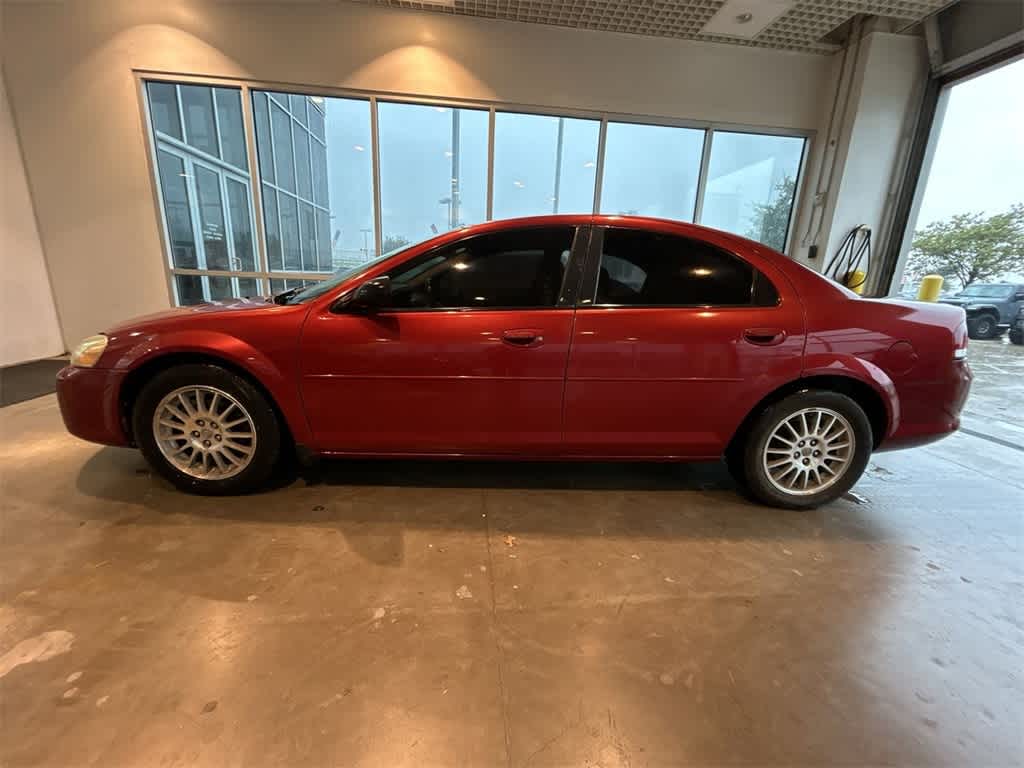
column 743, row 18
column 358, row 147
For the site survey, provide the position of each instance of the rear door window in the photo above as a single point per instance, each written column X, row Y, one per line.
column 648, row 269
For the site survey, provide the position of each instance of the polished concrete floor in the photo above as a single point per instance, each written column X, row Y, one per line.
column 417, row 614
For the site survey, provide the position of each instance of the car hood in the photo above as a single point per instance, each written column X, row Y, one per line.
column 208, row 308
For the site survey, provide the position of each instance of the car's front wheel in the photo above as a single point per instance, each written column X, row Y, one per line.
column 806, row 450
column 1017, row 336
column 207, row 430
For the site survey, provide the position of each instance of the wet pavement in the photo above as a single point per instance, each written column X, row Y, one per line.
column 996, row 405
column 424, row 614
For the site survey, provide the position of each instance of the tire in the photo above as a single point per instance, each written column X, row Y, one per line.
column 233, row 463
column 847, row 464
column 983, row 327
column 1017, row 337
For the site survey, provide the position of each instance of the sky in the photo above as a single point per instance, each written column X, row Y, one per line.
column 979, row 159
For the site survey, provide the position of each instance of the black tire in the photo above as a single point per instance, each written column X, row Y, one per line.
column 267, row 452
column 1017, row 337
column 755, row 479
column 983, row 327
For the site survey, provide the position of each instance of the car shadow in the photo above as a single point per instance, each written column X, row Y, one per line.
column 375, row 500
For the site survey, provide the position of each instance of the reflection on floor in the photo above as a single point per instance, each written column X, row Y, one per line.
column 415, row 614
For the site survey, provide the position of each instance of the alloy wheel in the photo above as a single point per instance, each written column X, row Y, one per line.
column 808, row 451
column 204, row 432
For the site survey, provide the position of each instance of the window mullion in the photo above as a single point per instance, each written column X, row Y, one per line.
column 702, row 176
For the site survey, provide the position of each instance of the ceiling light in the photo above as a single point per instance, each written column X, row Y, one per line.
column 589, row 164
column 448, row 153
column 518, row 183
column 358, row 147
column 745, row 18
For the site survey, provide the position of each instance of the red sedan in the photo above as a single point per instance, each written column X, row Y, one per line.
column 561, row 337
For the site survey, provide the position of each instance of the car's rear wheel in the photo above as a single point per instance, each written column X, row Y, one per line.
column 207, row 430
column 982, row 327
column 806, row 450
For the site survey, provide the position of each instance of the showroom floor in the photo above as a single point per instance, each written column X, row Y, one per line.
column 419, row 614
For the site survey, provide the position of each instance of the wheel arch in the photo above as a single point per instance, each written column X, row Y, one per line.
column 137, row 378
column 865, row 395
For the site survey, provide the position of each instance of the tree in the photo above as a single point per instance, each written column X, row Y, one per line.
column 393, row 243
column 969, row 247
column 771, row 219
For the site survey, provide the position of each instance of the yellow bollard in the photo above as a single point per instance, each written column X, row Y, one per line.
column 855, row 281
column 931, row 287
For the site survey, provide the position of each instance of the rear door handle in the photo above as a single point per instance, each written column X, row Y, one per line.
column 523, row 337
column 764, row 337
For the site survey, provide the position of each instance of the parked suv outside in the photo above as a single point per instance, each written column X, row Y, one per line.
column 991, row 307
column 1017, row 329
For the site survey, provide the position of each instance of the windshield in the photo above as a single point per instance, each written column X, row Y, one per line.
column 322, row 287
column 986, row 291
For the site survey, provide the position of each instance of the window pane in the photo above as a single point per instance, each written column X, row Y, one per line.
column 647, row 269
column 323, row 239
column 507, row 269
column 163, row 108
column 189, row 289
column 232, row 135
column 316, row 116
column 263, row 142
column 350, row 181
column 200, row 131
column 241, row 225
column 319, row 162
column 543, row 164
column 751, row 185
column 333, row 184
column 651, row 170
column 290, row 233
column 302, row 170
column 272, row 228
column 297, row 105
column 279, row 285
column 307, row 236
column 220, row 288
column 248, row 287
column 433, row 169
column 211, row 217
column 284, row 161
column 177, row 212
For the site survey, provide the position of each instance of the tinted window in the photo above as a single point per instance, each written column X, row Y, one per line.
column 507, row 269
column 649, row 269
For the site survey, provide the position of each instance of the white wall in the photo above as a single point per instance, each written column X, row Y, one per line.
column 76, row 105
column 28, row 321
column 885, row 99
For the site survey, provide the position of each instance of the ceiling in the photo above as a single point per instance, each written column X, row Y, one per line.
column 800, row 28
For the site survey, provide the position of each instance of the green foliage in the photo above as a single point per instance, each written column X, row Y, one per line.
column 771, row 219
column 970, row 247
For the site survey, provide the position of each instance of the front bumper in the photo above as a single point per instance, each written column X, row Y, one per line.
column 89, row 405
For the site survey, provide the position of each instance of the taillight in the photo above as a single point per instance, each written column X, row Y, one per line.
column 960, row 354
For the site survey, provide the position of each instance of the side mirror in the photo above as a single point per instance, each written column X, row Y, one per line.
column 372, row 295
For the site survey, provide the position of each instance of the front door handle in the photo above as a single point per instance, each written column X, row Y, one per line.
column 764, row 337
column 523, row 337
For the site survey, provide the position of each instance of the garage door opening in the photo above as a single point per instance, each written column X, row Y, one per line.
column 967, row 226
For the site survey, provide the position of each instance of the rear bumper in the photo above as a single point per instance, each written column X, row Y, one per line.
column 930, row 410
column 88, row 399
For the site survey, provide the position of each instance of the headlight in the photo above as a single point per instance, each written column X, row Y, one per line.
column 87, row 353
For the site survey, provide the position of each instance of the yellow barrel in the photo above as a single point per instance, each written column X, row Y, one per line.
column 855, row 280
column 931, row 287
